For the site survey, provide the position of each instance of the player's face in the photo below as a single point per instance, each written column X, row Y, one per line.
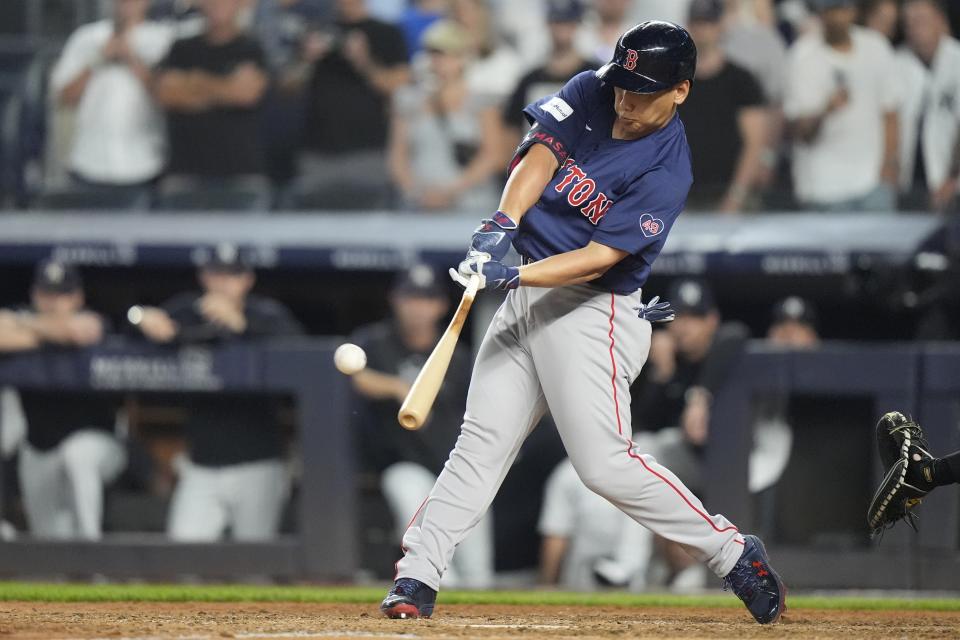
column 562, row 35
column 838, row 21
column 50, row 303
column 694, row 333
column 234, row 286
column 924, row 26
column 221, row 12
column 128, row 12
column 641, row 114
column 446, row 66
column 793, row 334
column 416, row 313
column 706, row 34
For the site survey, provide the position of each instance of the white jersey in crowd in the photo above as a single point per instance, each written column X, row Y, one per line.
column 931, row 96
column 119, row 136
column 845, row 159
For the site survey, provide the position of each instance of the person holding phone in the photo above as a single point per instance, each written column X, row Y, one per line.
column 105, row 73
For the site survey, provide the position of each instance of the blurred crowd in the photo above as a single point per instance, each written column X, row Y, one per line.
column 826, row 105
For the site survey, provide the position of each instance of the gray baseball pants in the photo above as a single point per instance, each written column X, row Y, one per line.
column 575, row 351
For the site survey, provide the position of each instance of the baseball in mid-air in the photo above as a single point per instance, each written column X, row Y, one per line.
column 349, row 359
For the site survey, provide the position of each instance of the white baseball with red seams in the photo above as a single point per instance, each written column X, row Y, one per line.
column 576, row 350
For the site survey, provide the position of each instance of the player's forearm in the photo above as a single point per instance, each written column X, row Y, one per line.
column 573, row 267
column 71, row 94
column 527, row 181
column 14, row 336
column 379, row 386
column 891, row 142
column 179, row 91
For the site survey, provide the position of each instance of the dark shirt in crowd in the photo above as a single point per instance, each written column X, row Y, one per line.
column 657, row 406
column 383, row 442
column 344, row 111
column 232, row 428
column 536, row 84
column 223, row 141
column 710, row 117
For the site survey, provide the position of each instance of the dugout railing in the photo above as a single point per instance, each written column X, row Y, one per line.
column 325, row 545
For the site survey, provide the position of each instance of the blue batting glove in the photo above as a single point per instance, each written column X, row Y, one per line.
column 493, row 236
column 656, row 311
column 492, row 274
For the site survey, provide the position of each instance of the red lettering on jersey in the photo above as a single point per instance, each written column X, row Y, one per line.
column 631, row 62
column 573, row 173
column 597, row 208
column 580, row 193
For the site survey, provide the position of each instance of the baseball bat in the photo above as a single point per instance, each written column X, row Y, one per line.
column 416, row 406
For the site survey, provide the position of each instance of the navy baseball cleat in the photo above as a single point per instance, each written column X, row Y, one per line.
column 756, row 583
column 409, row 598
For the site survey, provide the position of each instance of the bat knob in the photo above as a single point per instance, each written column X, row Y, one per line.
column 409, row 420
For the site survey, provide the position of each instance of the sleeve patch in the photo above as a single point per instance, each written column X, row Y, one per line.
column 557, row 107
column 650, row 226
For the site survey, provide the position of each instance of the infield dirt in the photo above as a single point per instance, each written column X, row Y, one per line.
column 142, row 621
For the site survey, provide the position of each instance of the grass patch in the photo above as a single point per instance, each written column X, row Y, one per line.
column 41, row 592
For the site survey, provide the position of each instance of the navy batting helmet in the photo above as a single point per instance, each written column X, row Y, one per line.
column 652, row 56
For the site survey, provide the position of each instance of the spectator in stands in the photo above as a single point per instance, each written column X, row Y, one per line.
column 417, row 19
column 727, row 120
column 670, row 10
column 234, row 475
column 211, row 86
column 598, row 35
column 408, row 461
column 929, row 67
column 71, row 452
column 105, row 73
column 883, row 16
column 446, row 140
column 349, row 75
column 494, row 67
column 562, row 63
column 842, row 113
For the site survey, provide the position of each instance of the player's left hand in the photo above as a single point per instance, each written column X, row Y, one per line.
column 656, row 311
column 492, row 274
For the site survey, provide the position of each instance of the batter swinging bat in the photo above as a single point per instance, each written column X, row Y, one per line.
column 416, row 407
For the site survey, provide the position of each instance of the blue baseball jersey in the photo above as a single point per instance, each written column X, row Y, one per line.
column 625, row 194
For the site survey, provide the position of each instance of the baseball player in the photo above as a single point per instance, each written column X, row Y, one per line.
column 911, row 472
column 595, row 187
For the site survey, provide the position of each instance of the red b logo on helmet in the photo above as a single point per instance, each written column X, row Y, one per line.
column 631, row 62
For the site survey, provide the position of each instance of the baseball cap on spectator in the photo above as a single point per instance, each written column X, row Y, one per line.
column 446, row 36
column 419, row 281
column 795, row 309
column 691, row 297
column 826, row 5
column 53, row 276
column 564, row 11
column 226, row 258
column 706, row 11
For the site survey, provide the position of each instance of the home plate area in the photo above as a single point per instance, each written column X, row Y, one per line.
column 203, row 621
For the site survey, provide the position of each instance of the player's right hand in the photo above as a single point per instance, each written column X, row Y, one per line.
column 491, row 273
column 493, row 237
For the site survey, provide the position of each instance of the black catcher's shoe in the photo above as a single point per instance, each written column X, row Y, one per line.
column 409, row 598
column 756, row 583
